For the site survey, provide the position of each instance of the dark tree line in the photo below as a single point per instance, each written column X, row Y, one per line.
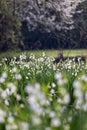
column 37, row 24
column 80, row 23
column 10, row 28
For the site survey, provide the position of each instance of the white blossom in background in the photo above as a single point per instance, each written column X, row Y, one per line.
column 78, row 94
column 52, row 91
column 48, row 15
column 10, row 119
column 55, row 122
column 84, row 78
column 84, row 107
column 5, row 93
column 2, row 115
column 36, row 120
column 6, row 102
column 35, row 98
column 11, row 87
column 24, row 126
column 52, row 114
column 68, row 9
column 60, row 80
column 66, row 99
column 58, row 76
column 11, row 126
column 18, row 76
column 53, row 85
column 14, row 70
column 18, row 97
column 3, row 77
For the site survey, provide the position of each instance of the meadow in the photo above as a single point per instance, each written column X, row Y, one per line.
column 42, row 95
column 50, row 53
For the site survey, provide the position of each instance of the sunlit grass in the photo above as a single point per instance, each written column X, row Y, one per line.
column 50, row 53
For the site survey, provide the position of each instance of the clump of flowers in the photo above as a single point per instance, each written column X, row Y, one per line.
column 40, row 95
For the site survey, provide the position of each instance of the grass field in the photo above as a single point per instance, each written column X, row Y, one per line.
column 50, row 53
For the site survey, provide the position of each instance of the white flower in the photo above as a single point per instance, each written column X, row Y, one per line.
column 53, row 85
column 4, row 75
column 37, row 86
column 11, row 127
column 26, row 65
column 18, row 76
column 60, row 82
column 6, row 102
column 8, row 91
column 32, row 99
column 76, row 84
column 40, row 59
column 21, row 105
column 84, row 78
column 43, row 54
column 59, row 100
column 52, row 91
column 47, row 128
column 29, row 89
column 66, row 98
column 4, row 95
column 58, row 75
column 36, row 120
column 55, row 122
column 11, row 87
column 22, row 57
column 70, row 118
column 24, row 126
column 52, row 114
column 10, row 119
column 2, row 80
column 18, row 97
column 5, row 59
column 14, row 70
column 2, row 116
column 78, row 94
column 84, row 107
column 67, row 127
column 79, row 103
